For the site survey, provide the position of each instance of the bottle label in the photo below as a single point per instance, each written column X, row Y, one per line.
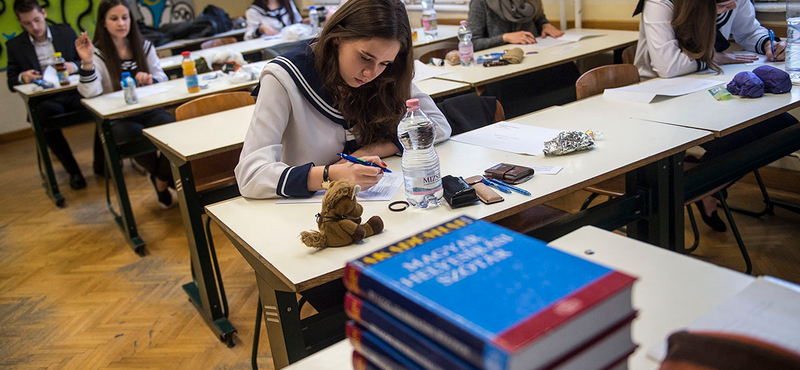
column 429, row 24
column 425, row 185
column 465, row 52
column 191, row 81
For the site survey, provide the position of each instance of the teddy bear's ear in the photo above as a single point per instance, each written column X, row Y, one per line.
column 356, row 189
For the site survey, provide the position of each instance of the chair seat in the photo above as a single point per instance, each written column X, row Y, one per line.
column 532, row 218
column 613, row 187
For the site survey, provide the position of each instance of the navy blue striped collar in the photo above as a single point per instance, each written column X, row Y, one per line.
column 299, row 63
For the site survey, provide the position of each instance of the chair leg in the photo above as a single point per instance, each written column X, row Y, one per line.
column 736, row 234
column 769, row 206
column 588, row 201
column 695, row 230
column 256, row 334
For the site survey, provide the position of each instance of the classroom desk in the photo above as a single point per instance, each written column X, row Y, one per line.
column 176, row 46
column 245, row 47
column 671, row 292
column 446, row 33
column 478, row 75
column 32, row 94
column 110, row 107
column 266, row 233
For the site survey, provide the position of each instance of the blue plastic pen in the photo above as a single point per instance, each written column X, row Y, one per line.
column 502, row 188
column 514, row 188
column 772, row 44
column 360, row 161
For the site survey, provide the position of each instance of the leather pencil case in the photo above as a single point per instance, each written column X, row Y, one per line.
column 510, row 173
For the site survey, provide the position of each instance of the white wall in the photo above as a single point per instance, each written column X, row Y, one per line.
column 12, row 109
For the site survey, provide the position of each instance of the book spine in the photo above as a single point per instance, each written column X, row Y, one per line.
column 407, row 341
column 376, row 351
column 430, row 323
column 361, row 363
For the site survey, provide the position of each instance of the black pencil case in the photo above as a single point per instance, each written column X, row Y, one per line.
column 457, row 193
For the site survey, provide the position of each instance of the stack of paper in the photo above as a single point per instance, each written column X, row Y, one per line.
column 645, row 92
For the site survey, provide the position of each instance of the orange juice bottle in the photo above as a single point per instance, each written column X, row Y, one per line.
column 190, row 73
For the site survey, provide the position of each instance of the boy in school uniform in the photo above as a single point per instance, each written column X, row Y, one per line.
column 29, row 54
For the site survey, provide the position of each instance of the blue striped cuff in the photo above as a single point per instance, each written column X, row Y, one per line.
column 294, row 182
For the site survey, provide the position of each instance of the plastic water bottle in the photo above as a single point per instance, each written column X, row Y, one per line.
column 423, row 181
column 313, row 16
column 190, row 73
column 129, row 88
column 793, row 39
column 429, row 19
column 465, row 50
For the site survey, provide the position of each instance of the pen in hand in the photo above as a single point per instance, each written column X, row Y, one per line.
column 360, row 161
column 772, row 44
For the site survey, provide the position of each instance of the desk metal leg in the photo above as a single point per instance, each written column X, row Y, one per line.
column 48, row 175
column 205, row 291
column 653, row 181
column 284, row 328
column 125, row 218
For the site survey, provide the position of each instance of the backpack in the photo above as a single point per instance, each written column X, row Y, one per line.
column 218, row 18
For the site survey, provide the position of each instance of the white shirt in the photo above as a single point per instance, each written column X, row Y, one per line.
column 275, row 19
column 45, row 52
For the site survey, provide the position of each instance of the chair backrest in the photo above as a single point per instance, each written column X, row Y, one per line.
column 218, row 42
column 438, row 53
column 629, row 54
column 499, row 113
column 213, row 104
column 471, row 111
column 594, row 81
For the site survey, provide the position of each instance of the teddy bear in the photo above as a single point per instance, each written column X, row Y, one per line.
column 339, row 221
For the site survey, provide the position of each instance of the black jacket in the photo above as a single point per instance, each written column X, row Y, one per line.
column 22, row 55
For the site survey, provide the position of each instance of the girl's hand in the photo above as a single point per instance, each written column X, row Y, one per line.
column 366, row 176
column 84, row 48
column 731, row 58
column 779, row 53
column 267, row 30
column 143, row 79
column 519, row 37
column 550, row 30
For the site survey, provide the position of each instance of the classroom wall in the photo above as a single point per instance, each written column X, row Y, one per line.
column 13, row 108
column 234, row 8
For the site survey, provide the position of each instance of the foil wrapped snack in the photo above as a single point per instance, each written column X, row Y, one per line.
column 568, row 142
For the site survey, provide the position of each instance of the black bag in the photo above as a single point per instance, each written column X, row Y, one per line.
column 218, row 18
column 153, row 35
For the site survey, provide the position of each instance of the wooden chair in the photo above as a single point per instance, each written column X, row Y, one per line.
column 438, row 53
column 218, row 42
column 593, row 82
column 629, row 54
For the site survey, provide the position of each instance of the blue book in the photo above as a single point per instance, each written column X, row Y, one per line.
column 377, row 352
column 498, row 299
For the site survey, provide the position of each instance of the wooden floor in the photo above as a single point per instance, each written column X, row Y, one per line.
column 73, row 295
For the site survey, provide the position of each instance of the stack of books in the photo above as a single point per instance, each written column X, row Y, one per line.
column 469, row 294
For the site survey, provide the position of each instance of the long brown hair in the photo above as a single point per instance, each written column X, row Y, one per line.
column 372, row 110
column 102, row 40
column 695, row 23
column 286, row 4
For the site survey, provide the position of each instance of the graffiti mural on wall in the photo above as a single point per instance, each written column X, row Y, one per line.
column 82, row 14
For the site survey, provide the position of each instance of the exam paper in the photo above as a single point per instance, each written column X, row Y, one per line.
column 767, row 309
column 423, row 71
column 50, row 75
column 382, row 191
column 568, row 37
column 547, row 170
column 509, row 137
column 142, row 92
column 645, row 92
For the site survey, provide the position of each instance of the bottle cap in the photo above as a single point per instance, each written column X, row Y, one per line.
column 412, row 104
column 57, row 54
column 125, row 75
column 186, row 54
column 463, row 23
column 312, row 7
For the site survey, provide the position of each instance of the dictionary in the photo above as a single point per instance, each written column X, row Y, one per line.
column 497, row 299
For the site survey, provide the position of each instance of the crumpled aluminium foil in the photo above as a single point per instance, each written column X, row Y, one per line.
column 568, row 142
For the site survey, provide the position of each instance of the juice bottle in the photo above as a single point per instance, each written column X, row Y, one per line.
column 61, row 69
column 190, row 73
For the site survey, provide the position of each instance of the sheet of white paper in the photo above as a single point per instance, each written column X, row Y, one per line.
column 567, row 48
column 510, row 137
column 141, row 92
column 662, row 86
column 765, row 310
column 547, row 170
column 545, row 43
column 575, row 35
column 423, row 71
column 168, row 63
column 50, row 75
column 382, row 191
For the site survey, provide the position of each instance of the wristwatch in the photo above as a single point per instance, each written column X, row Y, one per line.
column 326, row 182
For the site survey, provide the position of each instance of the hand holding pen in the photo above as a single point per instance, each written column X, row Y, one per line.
column 362, row 162
column 777, row 50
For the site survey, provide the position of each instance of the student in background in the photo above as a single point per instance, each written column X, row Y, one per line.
column 28, row 56
column 496, row 22
column 678, row 37
column 268, row 17
column 118, row 47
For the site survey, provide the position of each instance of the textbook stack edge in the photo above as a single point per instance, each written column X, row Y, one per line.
column 469, row 294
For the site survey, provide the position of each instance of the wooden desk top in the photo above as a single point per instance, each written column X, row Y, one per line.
column 273, row 238
column 34, row 90
column 478, row 75
column 671, row 292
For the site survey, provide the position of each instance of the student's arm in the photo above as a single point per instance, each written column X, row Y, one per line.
column 476, row 21
column 253, row 21
column 154, row 63
column 296, row 18
column 666, row 57
column 746, row 29
column 427, row 105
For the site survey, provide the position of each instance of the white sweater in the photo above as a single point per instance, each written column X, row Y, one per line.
column 98, row 81
column 658, row 54
column 294, row 128
column 276, row 19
